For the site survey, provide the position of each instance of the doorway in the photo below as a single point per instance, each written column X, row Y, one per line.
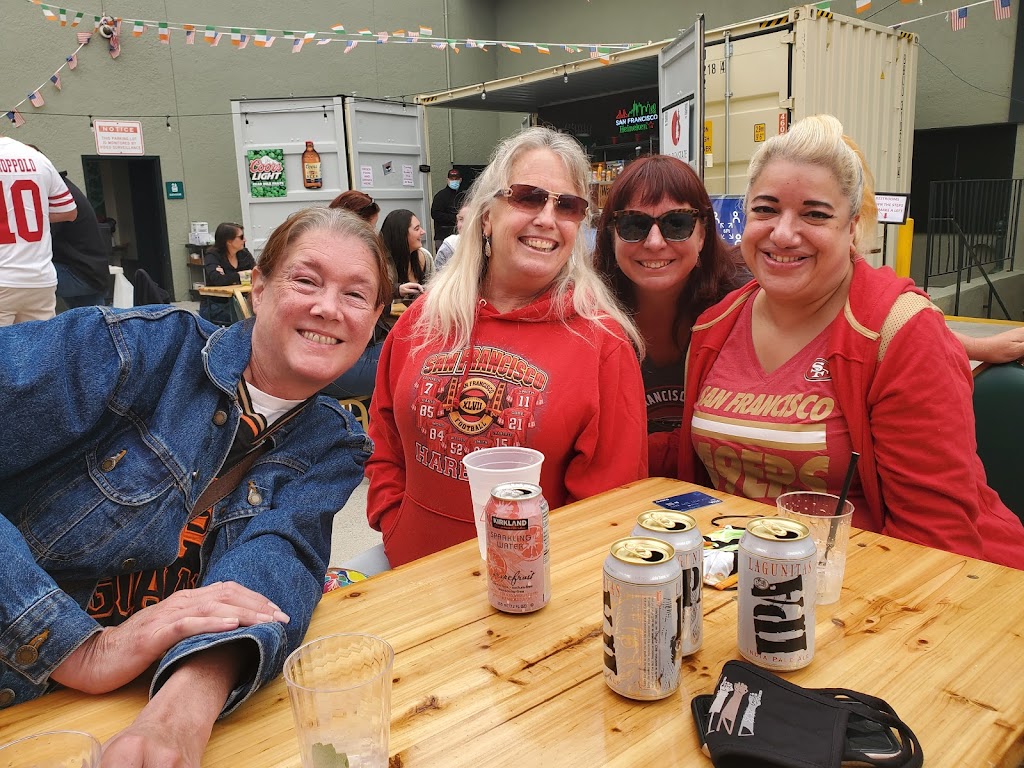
column 127, row 193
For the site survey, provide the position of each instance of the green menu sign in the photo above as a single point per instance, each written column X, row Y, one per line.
column 175, row 190
column 266, row 172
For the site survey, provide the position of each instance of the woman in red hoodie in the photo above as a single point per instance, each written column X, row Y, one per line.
column 516, row 342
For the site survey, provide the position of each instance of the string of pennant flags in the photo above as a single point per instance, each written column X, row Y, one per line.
column 35, row 96
column 957, row 17
column 240, row 37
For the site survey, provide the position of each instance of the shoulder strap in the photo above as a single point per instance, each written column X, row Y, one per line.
column 226, row 483
column 874, row 708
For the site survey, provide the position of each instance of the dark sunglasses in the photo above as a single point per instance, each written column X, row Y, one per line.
column 533, row 199
column 634, row 226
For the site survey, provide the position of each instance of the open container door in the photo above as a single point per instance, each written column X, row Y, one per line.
column 387, row 151
column 270, row 137
column 681, row 95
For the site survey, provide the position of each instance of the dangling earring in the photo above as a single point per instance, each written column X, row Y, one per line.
column 487, row 248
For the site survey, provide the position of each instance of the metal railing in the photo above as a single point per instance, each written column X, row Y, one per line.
column 972, row 227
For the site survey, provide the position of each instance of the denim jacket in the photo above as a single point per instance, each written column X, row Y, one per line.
column 153, row 392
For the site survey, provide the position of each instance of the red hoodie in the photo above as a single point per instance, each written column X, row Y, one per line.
column 910, row 416
column 571, row 390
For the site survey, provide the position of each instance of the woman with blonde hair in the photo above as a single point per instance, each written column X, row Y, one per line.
column 822, row 355
column 516, row 342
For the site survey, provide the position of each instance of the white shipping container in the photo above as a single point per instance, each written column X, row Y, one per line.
column 759, row 77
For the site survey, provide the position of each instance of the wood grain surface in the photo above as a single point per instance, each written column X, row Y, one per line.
column 937, row 635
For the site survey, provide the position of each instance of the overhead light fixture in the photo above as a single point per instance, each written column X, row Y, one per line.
column 565, row 76
column 483, row 92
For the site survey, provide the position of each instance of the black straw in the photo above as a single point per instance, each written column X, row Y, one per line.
column 833, row 528
column 854, row 456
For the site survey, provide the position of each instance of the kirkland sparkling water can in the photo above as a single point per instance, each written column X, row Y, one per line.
column 643, row 605
column 518, row 566
column 777, row 585
column 680, row 530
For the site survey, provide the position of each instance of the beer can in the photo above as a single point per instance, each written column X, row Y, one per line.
column 643, row 597
column 518, row 564
column 680, row 530
column 777, row 566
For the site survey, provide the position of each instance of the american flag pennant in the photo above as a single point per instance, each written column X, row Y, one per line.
column 439, row 46
column 164, row 32
column 338, row 29
column 471, row 43
column 414, row 37
column 55, row 79
column 190, row 37
column 211, row 35
column 382, row 37
column 958, row 19
column 63, row 14
column 300, row 40
column 244, row 41
column 36, row 99
column 863, row 5
column 543, row 49
column 324, row 41
column 78, row 19
column 351, row 45
column 48, row 14
column 138, row 28
column 114, row 43
column 83, row 37
column 426, row 31
column 16, row 119
column 217, row 39
column 236, row 37
column 72, row 60
column 1001, row 9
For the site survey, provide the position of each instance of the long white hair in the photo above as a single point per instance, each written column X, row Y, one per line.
column 451, row 298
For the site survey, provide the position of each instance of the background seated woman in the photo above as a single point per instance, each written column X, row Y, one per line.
column 223, row 261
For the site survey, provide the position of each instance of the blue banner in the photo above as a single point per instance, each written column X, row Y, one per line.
column 729, row 216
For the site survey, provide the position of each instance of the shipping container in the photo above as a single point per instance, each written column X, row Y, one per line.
column 759, row 76
column 377, row 147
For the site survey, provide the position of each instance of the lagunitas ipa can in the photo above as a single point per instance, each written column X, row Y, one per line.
column 643, row 603
column 777, row 582
column 518, row 567
column 680, row 530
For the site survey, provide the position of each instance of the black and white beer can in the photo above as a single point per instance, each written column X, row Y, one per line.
column 777, row 581
column 643, row 601
column 680, row 530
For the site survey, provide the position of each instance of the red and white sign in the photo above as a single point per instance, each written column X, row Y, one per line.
column 118, row 137
column 675, row 133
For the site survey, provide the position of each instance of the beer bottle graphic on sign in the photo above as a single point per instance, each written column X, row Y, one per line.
column 311, row 177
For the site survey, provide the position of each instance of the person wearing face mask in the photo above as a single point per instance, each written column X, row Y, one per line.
column 445, row 208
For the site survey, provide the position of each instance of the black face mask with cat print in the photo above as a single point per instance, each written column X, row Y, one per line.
column 755, row 719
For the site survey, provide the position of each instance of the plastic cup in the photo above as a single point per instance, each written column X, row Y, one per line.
column 831, row 534
column 53, row 749
column 340, row 690
column 489, row 467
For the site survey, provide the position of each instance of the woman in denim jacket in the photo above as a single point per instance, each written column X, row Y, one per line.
column 116, row 423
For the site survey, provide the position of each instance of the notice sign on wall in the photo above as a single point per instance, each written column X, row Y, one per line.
column 266, row 172
column 118, row 137
column 892, row 207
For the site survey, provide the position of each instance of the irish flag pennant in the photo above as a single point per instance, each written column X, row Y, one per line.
column 364, row 32
column 426, row 31
column 211, row 35
column 138, row 28
column 164, row 32
column 78, row 19
column 514, row 48
column 863, row 5
column 63, row 14
column 48, row 13
column 338, row 29
column 543, row 49
column 236, row 37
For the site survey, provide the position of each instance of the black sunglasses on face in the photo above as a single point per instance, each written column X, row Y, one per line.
column 533, row 199
column 675, row 226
